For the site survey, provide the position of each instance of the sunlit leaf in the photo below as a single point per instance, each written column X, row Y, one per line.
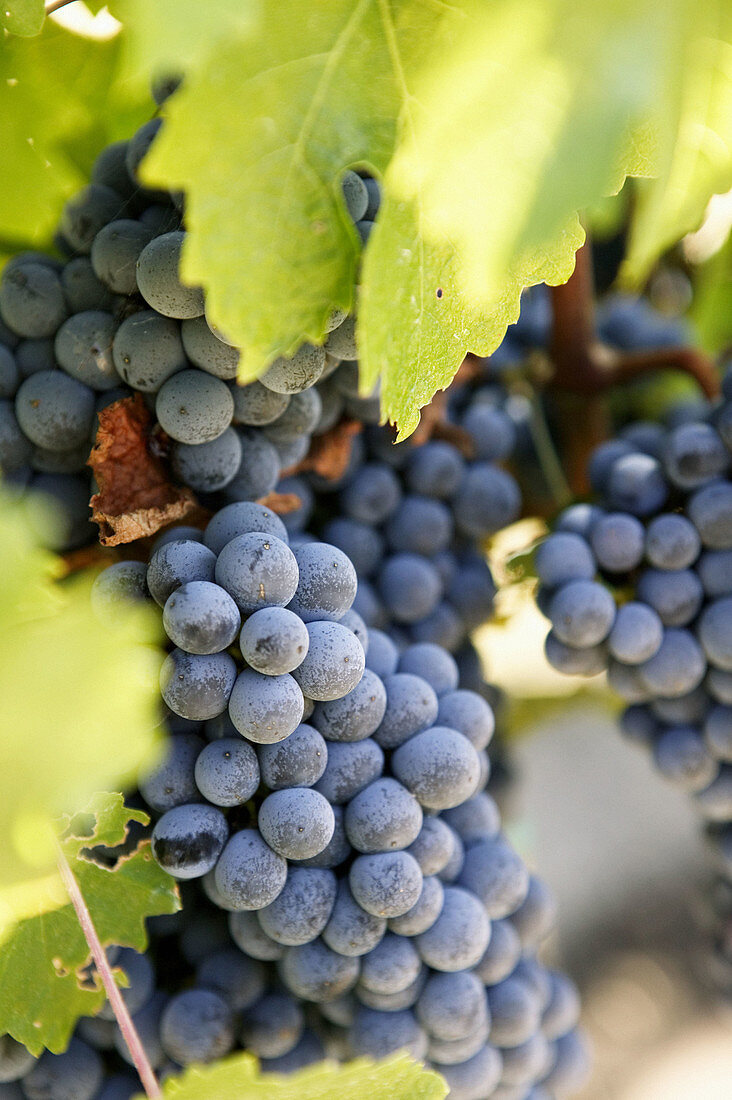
column 541, row 107
column 22, row 17
column 79, row 700
column 59, row 105
column 239, row 1078
column 698, row 161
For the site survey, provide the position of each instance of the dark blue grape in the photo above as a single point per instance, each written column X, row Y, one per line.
column 273, row 1026
column 424, row 912
column 201, row 617
column 296, row 822
column 382, row 817
column 298, row 761
column 681, row 756
column 238, row 979
column 265, row 709
column 391, row 966
column 188, row 840
column 302, row 909
column 227, row 772
column 672, row 542
column 439, row 766
column 433, row 664
column 617, row 541
column 172, row 783
column 636, row 484
column 411, row 706
column 493, row 871
column 74, row 1075
column 249, row 937
column 327, row 583
column 459, row 936
column 501, row 955
column 435, row 469
column 257, row 570
column 249, row 874
column 387, row 884
column 175, row 563
column 197, row 1026
column 242, row 518
column 376, row 1034
column 637, row 633
column 355, row 715
column 434, row 846
column 334, row 663
column 315, row 973
column 564, row 557
column 693, row 454
column 197, row 686
column 487, row 500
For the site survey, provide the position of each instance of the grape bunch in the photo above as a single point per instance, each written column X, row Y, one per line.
column 639, row 584
column 113, row 319
column 325, row 790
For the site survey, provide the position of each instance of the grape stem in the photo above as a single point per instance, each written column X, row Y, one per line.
column 585, row 369
column 56, row 4
column 126, row 1025
column 585, row 366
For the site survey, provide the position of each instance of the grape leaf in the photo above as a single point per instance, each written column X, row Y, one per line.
column 711, row 307
column 22, row 17
column 43, row 991
column 59, row 103
column 287, row 110
column 698, row 158
column 79, row 701
column 239, row 1078
column 541, row 107
column 172, row 36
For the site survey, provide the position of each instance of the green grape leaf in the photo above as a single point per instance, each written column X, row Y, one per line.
column 80, row 702
column 60, row 101
column 44, row 988
column 22, row 17
column 287, row 110
column 172, row 36
column 711, row 305
column 540, row 108
column 415, row 321
column 239, row 1078
column 698, row 161
column 269, row 239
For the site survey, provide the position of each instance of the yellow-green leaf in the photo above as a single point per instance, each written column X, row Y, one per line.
column 175, row 36
column 698, row 161
column 59, row 104
column 22, row 17
column 287, row 110
column 80, row 701
column 415, row 320
column 239, row 1078
column 43, row 991
column 541, row 107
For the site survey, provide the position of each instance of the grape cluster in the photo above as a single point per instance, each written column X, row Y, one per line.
column 639, row 584
column 115, row 319
column 348, row 889
column 325, row 790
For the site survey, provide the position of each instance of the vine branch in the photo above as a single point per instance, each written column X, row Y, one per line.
column 585, row 366
column 56, row 4
column 126, row 1026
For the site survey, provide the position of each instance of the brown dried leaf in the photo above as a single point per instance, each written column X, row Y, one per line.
column 281, row 503
column 330, row 452
column 136, row 495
